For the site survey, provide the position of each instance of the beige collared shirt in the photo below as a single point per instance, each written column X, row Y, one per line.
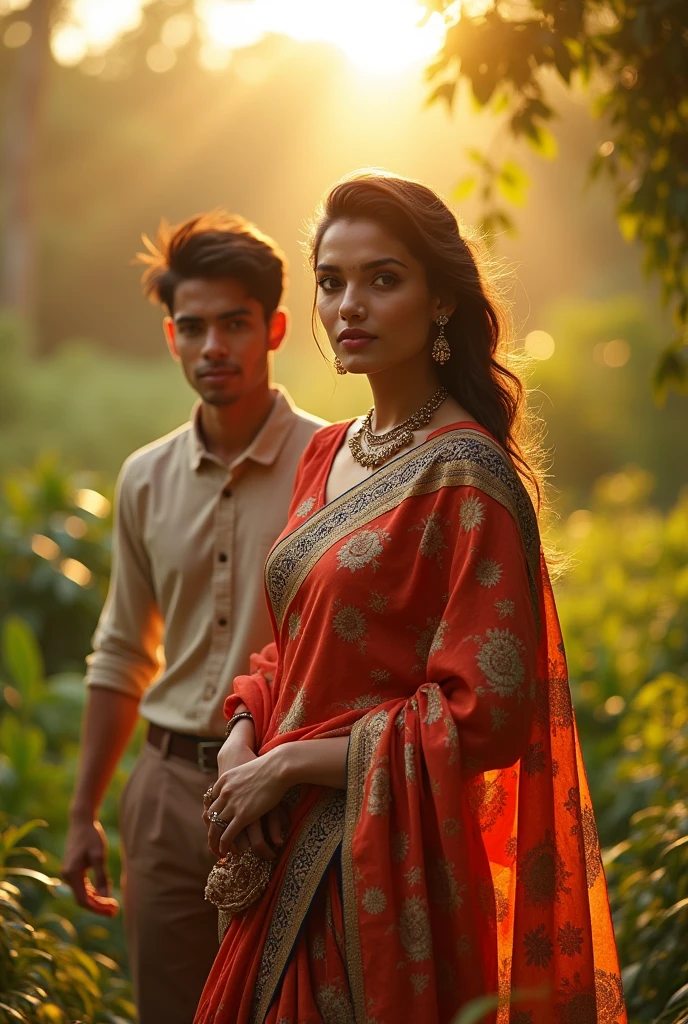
column 190, row 542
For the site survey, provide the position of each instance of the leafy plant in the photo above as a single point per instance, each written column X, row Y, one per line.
column 631, row 57
column 45, row 977
column 648, row 872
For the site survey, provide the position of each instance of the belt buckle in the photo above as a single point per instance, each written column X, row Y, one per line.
column 201, row 749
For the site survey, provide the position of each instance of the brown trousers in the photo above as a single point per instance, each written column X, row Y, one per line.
column 171, row 929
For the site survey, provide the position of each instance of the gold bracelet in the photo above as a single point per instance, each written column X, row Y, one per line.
column 237, row 718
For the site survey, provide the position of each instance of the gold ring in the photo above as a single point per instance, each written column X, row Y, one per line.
column 208, row 797
column 217, row 820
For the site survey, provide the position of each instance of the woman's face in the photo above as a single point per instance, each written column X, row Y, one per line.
column 373, row 297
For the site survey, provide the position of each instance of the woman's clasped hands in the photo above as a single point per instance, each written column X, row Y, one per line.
column 245, row 802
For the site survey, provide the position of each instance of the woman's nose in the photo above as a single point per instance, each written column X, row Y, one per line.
column 350, row 307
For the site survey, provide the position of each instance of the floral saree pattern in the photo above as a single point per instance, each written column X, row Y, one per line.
column 414, row 614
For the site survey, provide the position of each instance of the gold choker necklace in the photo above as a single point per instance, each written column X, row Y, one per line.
column 380, row 447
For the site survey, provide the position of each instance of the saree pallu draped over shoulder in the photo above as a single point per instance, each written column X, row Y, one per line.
column 414, row 614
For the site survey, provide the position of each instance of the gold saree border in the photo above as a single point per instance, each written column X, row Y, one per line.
column 314, row 847
column 462, row 457
column 364, row 737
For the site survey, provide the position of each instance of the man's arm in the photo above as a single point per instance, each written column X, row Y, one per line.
column 121, row 667
column 109, row 721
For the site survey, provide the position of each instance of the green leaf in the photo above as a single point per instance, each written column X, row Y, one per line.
column 513, row 182
column 464, row 188
column 37, row 876
column 22, row 657
column 542, row 140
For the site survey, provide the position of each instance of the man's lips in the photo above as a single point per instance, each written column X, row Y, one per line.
column 218, row 373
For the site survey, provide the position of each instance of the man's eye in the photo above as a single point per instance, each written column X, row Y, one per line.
column 237, row 325
column 190, row 330
column 328, row 284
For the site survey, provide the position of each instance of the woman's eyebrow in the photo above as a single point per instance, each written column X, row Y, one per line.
column 371, row 265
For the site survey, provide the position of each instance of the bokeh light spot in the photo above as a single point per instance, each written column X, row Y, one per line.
column 17, row 34
column 616, row 353
column 44, row 547
column 93, row 502
column 607, row 148
column 75, row 527
column 580, row 523
column 539, row 345
column 614, row 705
column 160, row 58
column 69, row 45
column 76, row 571
column 214, row 58
column 177, row 31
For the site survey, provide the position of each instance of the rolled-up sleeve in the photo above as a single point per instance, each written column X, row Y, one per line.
column 130, row 628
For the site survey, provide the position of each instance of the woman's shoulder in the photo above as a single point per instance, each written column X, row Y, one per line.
column 325, row 440
column 467, row 446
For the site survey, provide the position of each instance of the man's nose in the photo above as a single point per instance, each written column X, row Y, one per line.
column 215, row 343
column 351, row 307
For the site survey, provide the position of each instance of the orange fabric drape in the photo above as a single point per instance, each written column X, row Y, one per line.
column 415, row 614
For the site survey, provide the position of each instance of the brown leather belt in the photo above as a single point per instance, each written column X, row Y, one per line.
column 201, row 750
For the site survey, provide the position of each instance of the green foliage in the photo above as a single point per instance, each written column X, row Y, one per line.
column 648, row 872
column 600, row 416
column 89, row 407
column 46, row 621
column 632, row 55
column 45, row 977
column 625, row 620
column 54, row 561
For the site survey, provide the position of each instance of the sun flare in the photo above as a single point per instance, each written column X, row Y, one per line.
column 378, row 36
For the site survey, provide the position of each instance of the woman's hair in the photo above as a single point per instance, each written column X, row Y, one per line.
column 478, row 332
column 210, row 246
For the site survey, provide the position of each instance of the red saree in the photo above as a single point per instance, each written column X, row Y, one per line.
column 415, row 613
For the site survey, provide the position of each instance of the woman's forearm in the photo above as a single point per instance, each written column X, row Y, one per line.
column 318, row 762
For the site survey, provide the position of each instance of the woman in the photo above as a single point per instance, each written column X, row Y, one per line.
column 440, row 841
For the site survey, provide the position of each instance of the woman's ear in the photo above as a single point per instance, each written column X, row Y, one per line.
column 444, row 307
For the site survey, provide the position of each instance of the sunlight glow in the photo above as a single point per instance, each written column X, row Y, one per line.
column 378, row 35
column 92, row 27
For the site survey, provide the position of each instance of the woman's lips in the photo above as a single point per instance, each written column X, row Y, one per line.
column 352, row 344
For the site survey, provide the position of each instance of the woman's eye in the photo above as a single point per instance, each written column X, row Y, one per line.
column 386, row 280
column 328, row 284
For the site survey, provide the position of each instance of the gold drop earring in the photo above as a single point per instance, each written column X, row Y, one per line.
column 339, row 366
column 441, row 352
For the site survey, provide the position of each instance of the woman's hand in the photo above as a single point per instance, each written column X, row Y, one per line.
column 246, row 792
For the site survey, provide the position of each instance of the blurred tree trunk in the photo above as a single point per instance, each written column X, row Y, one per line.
column 18, row 163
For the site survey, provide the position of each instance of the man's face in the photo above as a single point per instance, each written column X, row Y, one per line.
column 219, row 335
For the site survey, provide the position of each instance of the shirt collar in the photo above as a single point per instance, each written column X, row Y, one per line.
column 265, row 446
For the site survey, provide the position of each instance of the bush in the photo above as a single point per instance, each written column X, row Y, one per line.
column 45, row 977
column 625, row 620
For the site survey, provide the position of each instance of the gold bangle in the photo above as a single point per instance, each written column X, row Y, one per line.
column 237, row 718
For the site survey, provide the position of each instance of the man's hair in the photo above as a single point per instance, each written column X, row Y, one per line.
column 213, row 245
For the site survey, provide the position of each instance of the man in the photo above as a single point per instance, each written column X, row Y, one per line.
column 195, row 515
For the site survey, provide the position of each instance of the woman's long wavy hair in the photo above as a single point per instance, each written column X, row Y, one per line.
column 479, row 332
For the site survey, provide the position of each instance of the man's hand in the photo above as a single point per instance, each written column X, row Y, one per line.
column 86, row 849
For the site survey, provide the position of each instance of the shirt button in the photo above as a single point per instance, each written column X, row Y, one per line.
column 222, row 557
column 222, row 622
column 227, row 493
